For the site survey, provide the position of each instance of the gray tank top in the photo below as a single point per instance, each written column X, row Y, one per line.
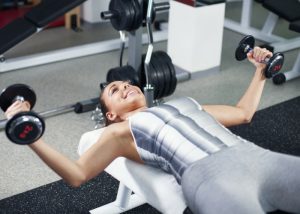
column 177, row 133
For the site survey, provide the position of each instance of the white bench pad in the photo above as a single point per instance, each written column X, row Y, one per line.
column 158, row 188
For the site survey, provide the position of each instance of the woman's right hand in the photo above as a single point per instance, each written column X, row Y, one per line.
column 257, row 57
column 17, row 107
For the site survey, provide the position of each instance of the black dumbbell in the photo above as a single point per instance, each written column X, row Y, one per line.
column 24, row 127
column 274, row 63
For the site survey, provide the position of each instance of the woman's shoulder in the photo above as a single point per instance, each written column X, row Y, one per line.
column 118, row 128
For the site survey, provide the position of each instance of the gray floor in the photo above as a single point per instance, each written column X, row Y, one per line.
column 70, row 81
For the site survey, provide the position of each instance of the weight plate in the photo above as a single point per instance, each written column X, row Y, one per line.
column 123, row 74
column 159, row 74
column 154, row 79
column 138, row 18
column 25, row 128
column 122, row 19
column 166, row 73
column 133, row 75
column 274, row 65
column 131, row 17
column 9, row 94
column 173, row 82
column 279, row 79
column 242, row 50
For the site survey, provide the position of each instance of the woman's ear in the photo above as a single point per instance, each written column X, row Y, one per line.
column 110, row 116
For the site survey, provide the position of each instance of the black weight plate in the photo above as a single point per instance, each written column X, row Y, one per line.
column 122, row 19
column 142, row 73
column 138, row 19
column 241, row 52
column 131, row 17
column 123, row 74
column 279, row 79
column 10, row 93
column 173, row 82
column 274, row 65
column 133, row 22
column 153, row 79
column 166, row 73
column 133, row 75
column 159, row 74
column 26, row 131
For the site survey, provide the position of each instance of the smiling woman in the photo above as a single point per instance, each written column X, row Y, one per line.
column 189, row 141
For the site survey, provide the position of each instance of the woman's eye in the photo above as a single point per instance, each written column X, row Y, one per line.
column 114, row 90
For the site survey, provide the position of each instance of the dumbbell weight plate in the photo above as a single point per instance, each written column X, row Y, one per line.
column 10, row 93
column 274, row 65
column 241, row 51
column 25, row 128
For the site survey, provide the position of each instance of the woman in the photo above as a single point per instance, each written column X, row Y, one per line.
column 219, row 172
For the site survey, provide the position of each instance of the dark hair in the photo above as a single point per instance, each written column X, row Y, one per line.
column 103, row 105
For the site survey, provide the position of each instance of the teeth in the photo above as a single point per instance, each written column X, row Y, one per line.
column 130, row 93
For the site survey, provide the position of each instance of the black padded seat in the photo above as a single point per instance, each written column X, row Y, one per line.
column 15, row 32
column 295, row 26
column 209, row 2
column 49, row 10
column 287, row 9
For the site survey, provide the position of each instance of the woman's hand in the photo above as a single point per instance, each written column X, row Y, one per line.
column 258, row 55
column 17, row 107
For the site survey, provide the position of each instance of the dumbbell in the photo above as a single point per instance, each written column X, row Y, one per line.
column 274, row 63
column 24, row 127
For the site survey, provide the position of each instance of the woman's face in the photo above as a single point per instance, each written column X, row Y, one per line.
column 121, row 98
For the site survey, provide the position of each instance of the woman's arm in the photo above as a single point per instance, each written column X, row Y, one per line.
column 111, row 145
column 247, row 105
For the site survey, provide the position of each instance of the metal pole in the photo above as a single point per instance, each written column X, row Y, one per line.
column 79, row 107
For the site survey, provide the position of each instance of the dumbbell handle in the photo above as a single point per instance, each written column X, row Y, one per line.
column 248, row 49
column 18, row 98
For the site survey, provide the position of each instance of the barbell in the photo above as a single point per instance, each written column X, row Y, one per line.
column 129, row 15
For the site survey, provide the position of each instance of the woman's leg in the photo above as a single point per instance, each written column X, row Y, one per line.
column 222, row 183
column 281, row 188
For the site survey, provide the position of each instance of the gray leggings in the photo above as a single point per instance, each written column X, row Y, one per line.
column 243, row 179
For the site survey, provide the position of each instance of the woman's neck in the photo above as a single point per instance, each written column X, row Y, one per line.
column 128, row 114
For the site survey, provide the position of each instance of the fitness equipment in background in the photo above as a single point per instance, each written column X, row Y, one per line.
column 274, row 63
column 24, row 127
column 161, row 72
column 129, row 15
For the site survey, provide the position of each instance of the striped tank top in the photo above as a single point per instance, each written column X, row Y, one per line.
column 177, row 133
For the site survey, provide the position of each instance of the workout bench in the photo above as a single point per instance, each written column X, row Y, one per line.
column 150, row 185
column 33, row 21
column 295, row 72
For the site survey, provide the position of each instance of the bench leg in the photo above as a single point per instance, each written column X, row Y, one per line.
column 125, row 201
